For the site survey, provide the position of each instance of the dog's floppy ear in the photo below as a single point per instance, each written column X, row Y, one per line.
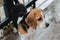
column 31, row 21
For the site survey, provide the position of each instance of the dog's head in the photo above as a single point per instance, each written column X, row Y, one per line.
column 36, row 18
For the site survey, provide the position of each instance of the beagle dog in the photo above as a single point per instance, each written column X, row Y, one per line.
column 28, row 25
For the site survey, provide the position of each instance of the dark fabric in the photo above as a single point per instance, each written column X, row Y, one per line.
column 15, row 10
column 18, row 11
column 10, row 5
column 20, row 8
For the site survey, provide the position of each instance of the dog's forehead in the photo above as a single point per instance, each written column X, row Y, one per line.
column 38, row 12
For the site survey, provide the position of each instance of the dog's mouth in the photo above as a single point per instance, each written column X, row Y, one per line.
column 43, row 25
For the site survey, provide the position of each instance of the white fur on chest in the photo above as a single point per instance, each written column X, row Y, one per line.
column 29, row 35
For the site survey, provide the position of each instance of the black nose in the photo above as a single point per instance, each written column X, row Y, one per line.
column 47, row 24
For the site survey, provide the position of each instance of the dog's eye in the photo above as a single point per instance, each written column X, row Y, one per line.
column 39, row 19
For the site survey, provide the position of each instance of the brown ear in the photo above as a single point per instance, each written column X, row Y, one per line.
column 31, row 21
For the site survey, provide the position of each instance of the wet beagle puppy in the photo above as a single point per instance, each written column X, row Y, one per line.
column 28, row 25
